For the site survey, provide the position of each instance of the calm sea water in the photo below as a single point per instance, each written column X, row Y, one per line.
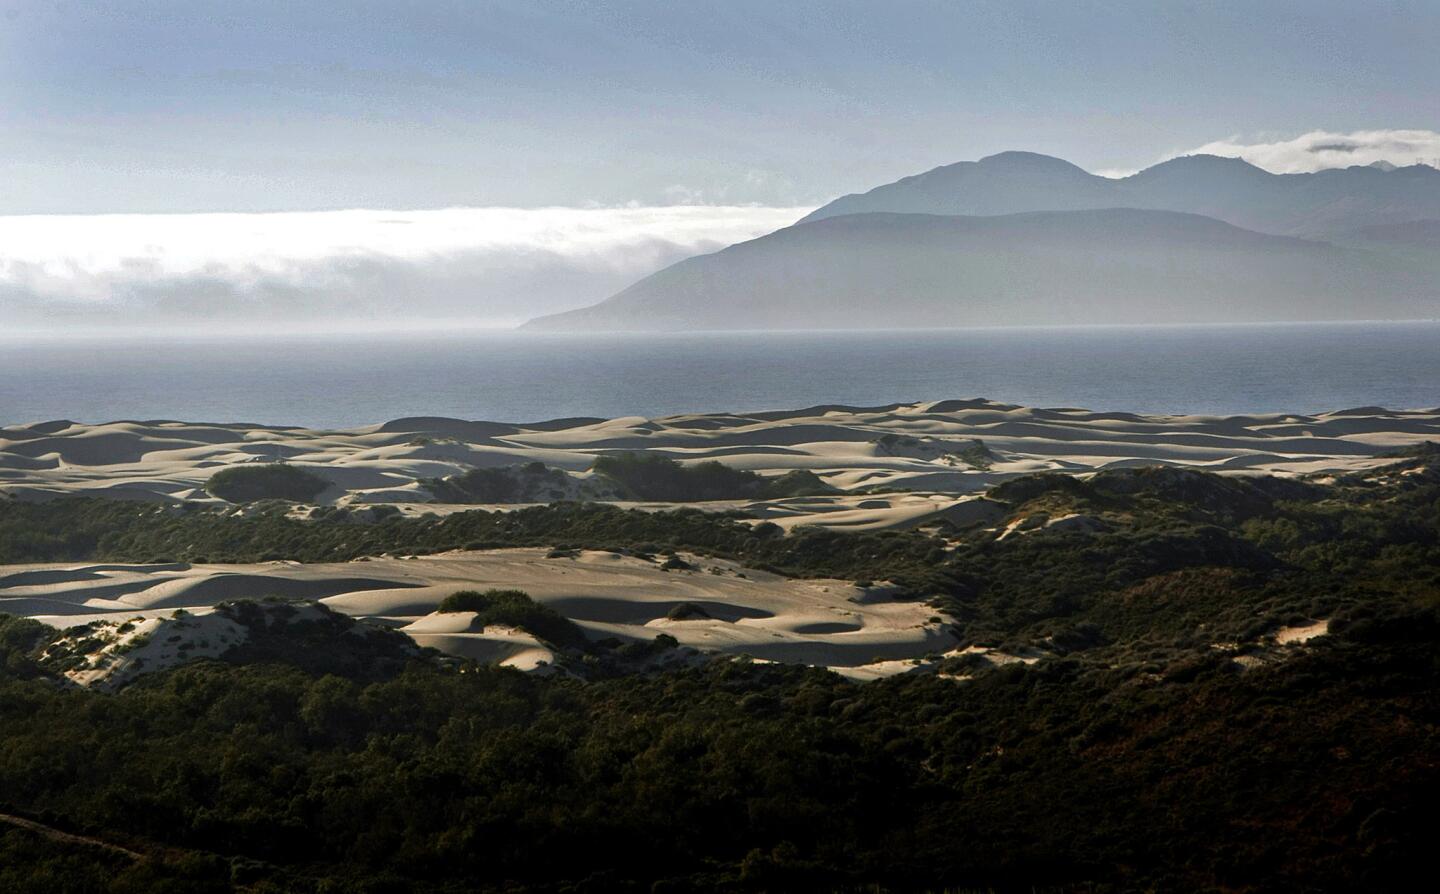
column 524, row 377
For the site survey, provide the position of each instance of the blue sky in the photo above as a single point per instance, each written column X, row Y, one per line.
column 147, row 106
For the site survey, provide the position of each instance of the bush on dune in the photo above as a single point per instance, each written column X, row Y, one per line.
column 531, row 482
column 515, row 608
column 646, row 476
column 20, row 638
column 272, row 481
column 799, row 483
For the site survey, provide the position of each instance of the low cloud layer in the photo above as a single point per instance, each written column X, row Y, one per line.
column 345, row 269
column 1321, row 149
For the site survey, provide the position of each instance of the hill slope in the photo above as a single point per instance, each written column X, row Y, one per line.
column 1039, row 268
column 1227, row 189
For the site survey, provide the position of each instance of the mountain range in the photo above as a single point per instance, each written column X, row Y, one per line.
column 1229, row 189
column 1025, row 239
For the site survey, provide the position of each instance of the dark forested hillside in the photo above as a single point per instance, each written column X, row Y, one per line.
column 1229, row 684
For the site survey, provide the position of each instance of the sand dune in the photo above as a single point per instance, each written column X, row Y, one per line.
column 459, row 634
column 894, row 466
column 728, row 609
column 919, row 449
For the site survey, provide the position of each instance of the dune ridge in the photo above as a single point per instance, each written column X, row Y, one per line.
column 730, row 609
column 894, row 465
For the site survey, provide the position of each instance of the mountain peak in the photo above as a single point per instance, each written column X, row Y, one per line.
column 1016, row 158
column 1187, row 164
column 1106, row 265
column 1224, row 187
column 1004, row 183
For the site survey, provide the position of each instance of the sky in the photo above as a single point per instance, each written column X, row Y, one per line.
column 163, row 107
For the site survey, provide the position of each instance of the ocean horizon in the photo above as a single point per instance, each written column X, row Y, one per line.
column 323, row 381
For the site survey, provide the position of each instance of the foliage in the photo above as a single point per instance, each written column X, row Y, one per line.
column 528, row 483
column 1135, row 754
column 313, row 638
column 515, row 608
column 1068, row 774
column 20, row 640
column 81, row 529
column 271, row 481
column 977, row 455
column 649, row 476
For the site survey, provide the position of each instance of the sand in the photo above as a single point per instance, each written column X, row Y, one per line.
column 892, row 466
column 743, row 611
column 1302, row 633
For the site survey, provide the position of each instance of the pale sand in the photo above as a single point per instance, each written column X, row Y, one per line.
column 170, row 461
column 1303, row 633
column 884, row 483
column 1273, row 645
column 828, row 623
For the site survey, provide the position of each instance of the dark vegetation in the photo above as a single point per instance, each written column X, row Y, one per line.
column 625, row 476
column 528, row 483
column 649, row 476
column 307, row 636
column 316, row 641
column 84, row 529
column 977, row 455
column 1136, row 754
column 739, row 777
column 272, row 481
column 972, row 452
column 515, row 608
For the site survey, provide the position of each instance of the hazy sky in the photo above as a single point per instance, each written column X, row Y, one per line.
column 591, row 143
column 189, row 105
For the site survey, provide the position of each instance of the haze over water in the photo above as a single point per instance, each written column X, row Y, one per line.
column 525, row 377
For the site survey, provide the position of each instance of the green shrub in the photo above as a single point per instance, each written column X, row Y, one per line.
column 531, row 482
column 799, row 483
column 675, row 563
column 977, row 455
column 515, row 608
column 647, row 476
column 687, row 611
column 273, row 481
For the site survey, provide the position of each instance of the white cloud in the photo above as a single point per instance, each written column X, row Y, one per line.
column 478, row 266
column 1321, row 149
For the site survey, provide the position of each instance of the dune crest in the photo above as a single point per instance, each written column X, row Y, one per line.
column 888, row 466
column 711, row 605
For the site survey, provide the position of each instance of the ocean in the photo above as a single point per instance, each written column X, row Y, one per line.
column 524, row 377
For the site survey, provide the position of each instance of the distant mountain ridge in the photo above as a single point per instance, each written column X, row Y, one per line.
column 1228, row 189
column 1025, row 239
column 1035, row 268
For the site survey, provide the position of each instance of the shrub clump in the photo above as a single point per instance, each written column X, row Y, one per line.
column 645, row 476
column 272, row 481
column 515, row 608
column 687, row 611
column 528, row 483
